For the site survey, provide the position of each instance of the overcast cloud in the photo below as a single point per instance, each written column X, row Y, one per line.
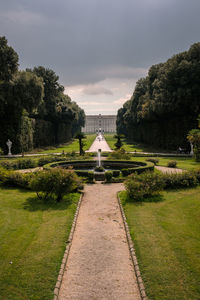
column 99, row 48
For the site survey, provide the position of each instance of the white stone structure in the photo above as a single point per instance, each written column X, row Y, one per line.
column 102, row 123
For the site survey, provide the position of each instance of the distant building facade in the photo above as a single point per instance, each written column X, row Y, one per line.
column 103, row 123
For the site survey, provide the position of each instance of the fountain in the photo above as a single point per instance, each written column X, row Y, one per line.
column 99, row 170
column 99, row 157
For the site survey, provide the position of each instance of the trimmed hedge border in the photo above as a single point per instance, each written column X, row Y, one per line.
column 114, row 165
column 66, row 253
column 133, row 254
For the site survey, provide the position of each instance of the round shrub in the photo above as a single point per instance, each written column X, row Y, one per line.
column 172, row 164
column 56, row 182
column 108, row 176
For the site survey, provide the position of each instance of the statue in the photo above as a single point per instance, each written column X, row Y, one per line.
column 192, row 150
column 9, row 144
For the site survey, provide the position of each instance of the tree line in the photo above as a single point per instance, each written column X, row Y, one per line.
column 34, row 111
column 165, row 104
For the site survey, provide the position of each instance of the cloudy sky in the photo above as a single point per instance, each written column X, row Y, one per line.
column 99, row 48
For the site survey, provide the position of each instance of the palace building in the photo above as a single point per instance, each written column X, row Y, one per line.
column 100, row 123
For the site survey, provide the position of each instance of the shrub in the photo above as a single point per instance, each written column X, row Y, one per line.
column 197, row 174
column 15, row 179
column 1, row 151
column 108, row 176
column 119, row 154
column 141, row 186
column 180, row 180
column 91, row 176
column 8, row 165
column 125, row 172
column 45, row 160
column 56, row 182
column 116, row 173
column 99, row 169
column 23, row 163
column 172, row 164
column 155, row 161
column 3, row 175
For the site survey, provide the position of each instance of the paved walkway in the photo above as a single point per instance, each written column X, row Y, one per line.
column 99, row 143
column 168, row 170
column 99, row 264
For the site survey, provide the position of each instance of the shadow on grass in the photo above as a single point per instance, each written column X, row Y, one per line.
column 35, row 204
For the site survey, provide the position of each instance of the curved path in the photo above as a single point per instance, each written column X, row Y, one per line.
column 99, row 143
column 168, row 170
column 99, row 265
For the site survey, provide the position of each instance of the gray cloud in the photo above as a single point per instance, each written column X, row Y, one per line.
column 96, row 90
column 88, row 41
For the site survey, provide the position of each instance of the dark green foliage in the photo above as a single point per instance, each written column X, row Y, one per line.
column 8, row 60
column 138, row 170
column 172, row 164
column 108, row 176
column 142, row 186
column 34, row 110
column 91, row 176
column 165, row 104
column 99, row 169
column 125, row 172
column 155, row 161
column 116, row 173
column 118, row 144
column 80, row 136
column 55, row 182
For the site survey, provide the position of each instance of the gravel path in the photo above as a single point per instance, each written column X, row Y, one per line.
column 168, row 170
column 99, row 143
column 99, row 264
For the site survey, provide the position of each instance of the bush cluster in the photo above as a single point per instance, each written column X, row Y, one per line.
column 15, row 179
column 23, row 163
column 172, row 164
column 148, row 183
column 108, row 176
column 143, row 185
column 54, row 182
column 119, row 154
column 180, row 180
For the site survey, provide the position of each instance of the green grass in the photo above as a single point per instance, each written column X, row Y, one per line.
column 166, row 236
column 33, row 237
column 69, row 147
column 131, row 146
column 185, row 163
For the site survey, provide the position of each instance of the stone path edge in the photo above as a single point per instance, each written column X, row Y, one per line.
column 133, row 254
column 67, row 249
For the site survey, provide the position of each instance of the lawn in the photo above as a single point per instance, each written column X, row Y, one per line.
column 33, row 240
column 131, row 146
column 71, row 146
column 185, row 163
column 166, row 236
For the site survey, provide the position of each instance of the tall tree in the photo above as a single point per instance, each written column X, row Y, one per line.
column 8, row 60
